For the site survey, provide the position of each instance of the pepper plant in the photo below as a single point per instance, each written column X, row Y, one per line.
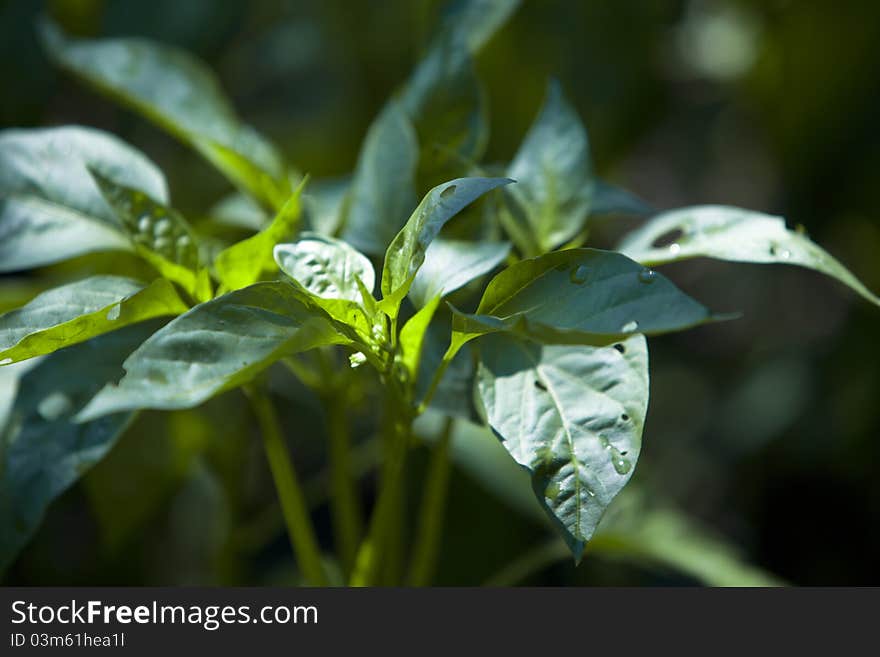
column 479, row 302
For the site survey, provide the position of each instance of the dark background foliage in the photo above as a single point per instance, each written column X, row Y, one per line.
column 765, row 428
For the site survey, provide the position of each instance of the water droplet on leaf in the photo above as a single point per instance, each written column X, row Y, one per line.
column 668, row 238
column 675, row 248
column 647, row 276
column 449, row 191
column 629, row 327
column 621, row 464
column 579, row 276
column 5, row 361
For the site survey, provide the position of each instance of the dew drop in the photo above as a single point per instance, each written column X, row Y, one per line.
column 449, row 191
column 540, row 385
column 579, row 275
column 113, row 313
column 624, row 417
column 629, row 327
column 619, row 347
column 5, row 361
column 647, row 276
column 674, row 248
column 779, row 252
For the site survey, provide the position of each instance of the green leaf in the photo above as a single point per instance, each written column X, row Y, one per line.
column 245, row 262
column 160, row 235
column 406, row 252
column 581, row 296
column 554, row 173
column 414, row 334
column 446, row 104
column 335, row 277
column 42, row 451
column 729, row 233
column 450, row 265
column 214, row 347
column 179, row 94
column 572, row 416
column 50, row 207
column 79, row 311
column 383, row 187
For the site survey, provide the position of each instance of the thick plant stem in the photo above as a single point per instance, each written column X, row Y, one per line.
column 383, row 524
column 433, row 511
column 344, row 502
column 293, row 502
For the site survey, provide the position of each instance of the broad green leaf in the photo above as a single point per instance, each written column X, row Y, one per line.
column 413, row 336
column 42, row 451
column 79, row 311
column 554, row 175
column 50, row 207
column 608, row 199
column 159, row 234
column 445, row 102
column 179, row 94
column 450, row 265
column 383, row 187
column 572, row 416
column 245, row 262
column 335, row 276
column 214, row 347
column 581, row 296
column 407, row 251
column 729, row 233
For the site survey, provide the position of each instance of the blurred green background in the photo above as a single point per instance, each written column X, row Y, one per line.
column 766, row 429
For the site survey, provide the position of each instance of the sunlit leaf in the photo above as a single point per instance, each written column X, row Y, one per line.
column 407, row 251
column 450, row 265
column 43, row 450
column 581, row 296
column 573, row 416
column 245, row 262
column 414, row 333
column 335, row 276
column 729, row 233
column 159, row 234
column 214, row 347
column 50, row 207
column 79, row 311
column 178, row 93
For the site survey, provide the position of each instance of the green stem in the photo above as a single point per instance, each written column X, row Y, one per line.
column 293, row 502
column 533, row 561
column 383, row 524
column 433, row 511
column 344, row 503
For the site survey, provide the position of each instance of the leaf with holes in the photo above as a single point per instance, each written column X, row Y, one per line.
column 727, row 233
column 572, row 416
column 581, row 296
